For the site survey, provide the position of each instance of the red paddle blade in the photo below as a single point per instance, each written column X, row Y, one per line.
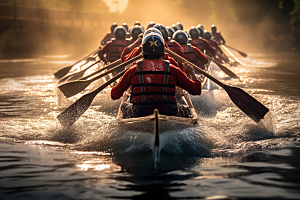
column 250, row 106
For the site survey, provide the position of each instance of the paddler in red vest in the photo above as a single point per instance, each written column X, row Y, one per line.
column 114, row 48
column 153, row 80
column 200, row 43
column 192, row 53
column 110, row 35
column 220, row 56
column 217, row 36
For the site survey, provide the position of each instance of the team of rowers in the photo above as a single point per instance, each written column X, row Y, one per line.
column 154, row 80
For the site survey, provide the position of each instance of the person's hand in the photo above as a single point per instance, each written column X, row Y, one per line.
column 189, row 70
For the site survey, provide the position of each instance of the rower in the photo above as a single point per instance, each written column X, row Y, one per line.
column 114, row 48
column 220, row 56
column 152, row 81
column 200, row 43
column 110, row 35
column 192, row 53
column 218, row 37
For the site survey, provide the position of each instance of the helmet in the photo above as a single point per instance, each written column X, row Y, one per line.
column 200, row 29
column 175, row 27
column 112, row 27
column 171, row 31
column 153, row 44
column 120, row 32
column 180, row 27
column 180, row 37
column 151, row 30
column 150, row 25
column 163, row 30
column 137, row 23
column 135, row 31
column 200, row 25
column 125, row 26
column 213, row 28
column 207, row 35
column 187, row 33
column 194, row 32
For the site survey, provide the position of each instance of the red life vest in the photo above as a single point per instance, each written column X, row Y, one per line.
column 197, row 42
column 153, row 84
column 116, row 49
column 189, row 53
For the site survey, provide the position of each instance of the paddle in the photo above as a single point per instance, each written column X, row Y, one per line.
column 250, row 106
column 240, row 52
column 62, row 72
column 223, row 68
column 109, row 66
column 76, row 75
column 72, row 113
column 72, row 88
column 231, row 54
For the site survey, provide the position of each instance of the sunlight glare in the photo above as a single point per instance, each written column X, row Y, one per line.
column 116, row 5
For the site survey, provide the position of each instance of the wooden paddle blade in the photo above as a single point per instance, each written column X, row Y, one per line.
column 250, row 106
column 227, row 71
column 240, row 52
column 72, row 88
column 62, row 72
column 243, row 54
column 72, row 113
column 77, row 75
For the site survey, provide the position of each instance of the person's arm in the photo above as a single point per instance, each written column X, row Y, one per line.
column 210, row 50
column 192, row 86
column 136, row 51
column 222, row 39
column 118, row 90
column 136, row 43
column 103, row 51
column 199, row 55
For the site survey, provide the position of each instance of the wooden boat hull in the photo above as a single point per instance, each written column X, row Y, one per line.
column 166, row 123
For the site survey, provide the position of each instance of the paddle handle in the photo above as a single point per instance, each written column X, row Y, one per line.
column 113, row 64
column 195, row 67
column 231, row 54
column 124, row 64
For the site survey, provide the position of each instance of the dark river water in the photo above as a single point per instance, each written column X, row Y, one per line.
column 225, row 156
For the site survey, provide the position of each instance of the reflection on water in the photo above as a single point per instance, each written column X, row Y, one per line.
column 225, row 156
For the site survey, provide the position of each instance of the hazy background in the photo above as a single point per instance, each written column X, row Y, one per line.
column 250, row 25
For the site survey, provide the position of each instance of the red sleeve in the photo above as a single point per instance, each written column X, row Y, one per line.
column 192, row 86
column 210, row 49
column 118, row 90
column 199, row 55
column 124, row 53
column 135, row 52
column 106, row 48
column 215, row 43
column 107, row 38
column 172, row 60
column 177, row 49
